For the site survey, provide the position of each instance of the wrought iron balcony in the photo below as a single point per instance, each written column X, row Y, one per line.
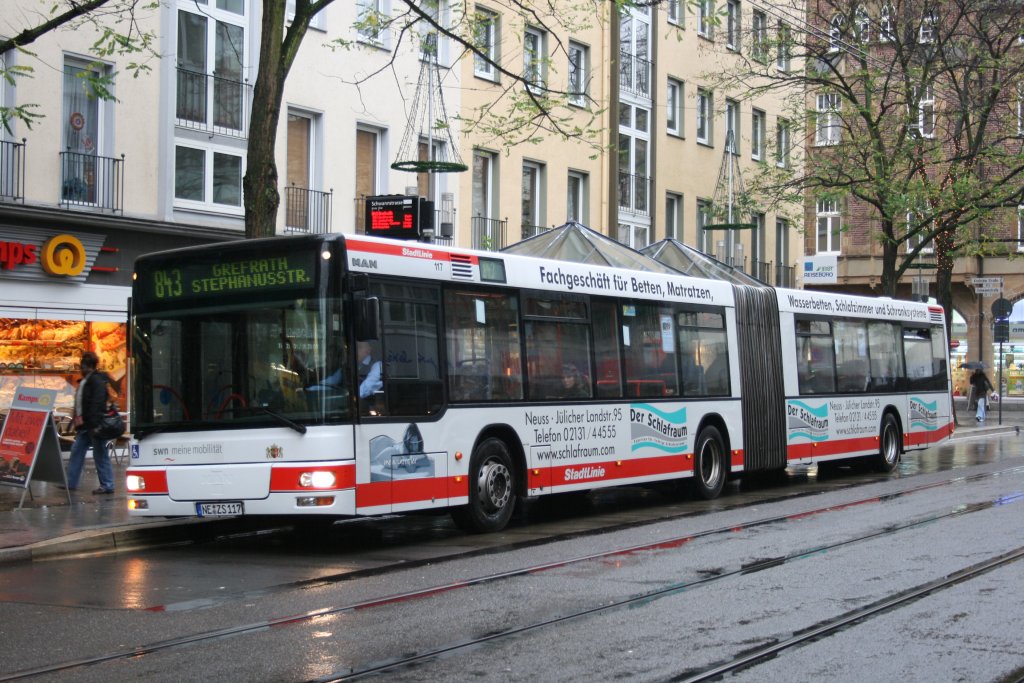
column 761, row 270
column 92, row 181
column 12, row 171
column 307, row 210
column 533, row 230
column 213, row 104
column 784, row 276
column 635, row 193
column 634, row 75
column 488, row 233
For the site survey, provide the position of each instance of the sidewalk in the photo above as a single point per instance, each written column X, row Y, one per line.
column 48, row 527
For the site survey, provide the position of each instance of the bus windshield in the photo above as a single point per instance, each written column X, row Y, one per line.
column 266, row 362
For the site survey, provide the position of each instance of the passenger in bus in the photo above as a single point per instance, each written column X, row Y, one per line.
column 574, row 383
column 693, row 377
column 369, row 369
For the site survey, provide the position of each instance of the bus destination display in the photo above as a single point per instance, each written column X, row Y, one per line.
column 192, row 281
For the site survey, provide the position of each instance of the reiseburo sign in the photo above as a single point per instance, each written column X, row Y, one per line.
column 821, row 269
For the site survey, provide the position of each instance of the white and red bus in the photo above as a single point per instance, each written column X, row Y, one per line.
column 344, row 375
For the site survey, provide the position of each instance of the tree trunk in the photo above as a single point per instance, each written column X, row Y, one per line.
column 260, row 183
column 889, row 256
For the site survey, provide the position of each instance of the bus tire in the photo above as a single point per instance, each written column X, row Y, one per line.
column 492, row 489
column 888, row 444
column 709, row 466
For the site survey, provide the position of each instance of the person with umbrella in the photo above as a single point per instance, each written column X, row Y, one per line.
column 981, row 386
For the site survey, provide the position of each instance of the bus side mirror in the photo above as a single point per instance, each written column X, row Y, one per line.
column 367, row 322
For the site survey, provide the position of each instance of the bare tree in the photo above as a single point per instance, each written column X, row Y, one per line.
column 912, row 115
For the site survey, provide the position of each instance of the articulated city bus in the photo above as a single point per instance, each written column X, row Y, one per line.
column 343, row 375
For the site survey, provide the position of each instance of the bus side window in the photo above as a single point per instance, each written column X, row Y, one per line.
column 815, row 356
column 649, row 347
column 483, row 346
column 608, row 372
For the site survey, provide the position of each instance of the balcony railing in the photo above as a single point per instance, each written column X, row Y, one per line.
column 92, row 181
column 784, row 276
column 213, row 104
column 307, row 210
column 635, row 193
column 634, row 75
column 12, row 171
column 533, row 230
column 762, row 270
column 489, row 233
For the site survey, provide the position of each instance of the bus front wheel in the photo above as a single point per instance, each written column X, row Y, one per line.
column 492, row 489
column 709, row 464
column 888, row 444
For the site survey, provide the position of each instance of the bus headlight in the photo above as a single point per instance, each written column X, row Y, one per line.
column 317, row 479
column 134, row 482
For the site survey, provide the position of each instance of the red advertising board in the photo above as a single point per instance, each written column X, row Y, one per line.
column 19, row 442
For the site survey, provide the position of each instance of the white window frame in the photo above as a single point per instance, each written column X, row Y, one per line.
column 923, row 99
column 862, row 24
column 487, row 27
column 835, row 33
column 533, row 57
column 703, row 219
column 705, row 12
column 781, row 241
column 634, row 235
column 757, row 133
column 536, row 190
column 1020, row 109
column 705, row 119
column 784, row 57
column 576, row 188
column 579, row 73
column 674, row 215
column 828, row 210
column 733, row 21
column 490, row 162
column 1020, row 228
column 674, row 112
column 673, row 12
column 782, row 143
column 926, row 32
column 886, row 23
column 317, row 21
column 380, row 37
column 913, row 241
column 827, row 129
column 207, row 205
column 732, row 125
column 759, row 36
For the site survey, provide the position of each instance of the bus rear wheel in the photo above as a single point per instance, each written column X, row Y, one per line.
column 492, row 488
column 709, row 464
column 888, row 444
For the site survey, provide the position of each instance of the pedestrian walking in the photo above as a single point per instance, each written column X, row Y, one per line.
column 981, row 385
column 90, row 406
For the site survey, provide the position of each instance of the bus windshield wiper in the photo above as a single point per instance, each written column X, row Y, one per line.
column 301, row 429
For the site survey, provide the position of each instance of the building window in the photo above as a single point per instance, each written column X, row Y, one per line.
column 886, row 23
column 208, row 176
column 704, row 109
column 781, row 241
column 674, row 107
column 1020, row 228
column 370, row 18
column 674, row 12
column 827, row 131
column 782, row 143
column 533, row 57
column 1020, row 110
column 317, row 21
column 732, row 126
column 703, row 219
column 82, row 111
column 705, row 18
column 732, row 25
column 829, row 227
column 926, row 34
column 531, row 194
column 210, row 87
column 757, row 246
column 759, row 36
column 835, row 33
column 485, row 32
column 576, row 197
column 862, row 24
column 784, row 55
column 673, row 216
column 368, row 164
column 579, row 58
column 917, row 232
column 757, row 128
column 634, row 236
column 923, row 120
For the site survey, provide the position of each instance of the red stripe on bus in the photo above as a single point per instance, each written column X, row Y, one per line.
column 397, row 250
column 620, row 469
column 835, row 447
column 400, row 491
column 287, row 478
column 156, row 481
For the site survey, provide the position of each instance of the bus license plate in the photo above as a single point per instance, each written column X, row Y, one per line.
column 219, row 509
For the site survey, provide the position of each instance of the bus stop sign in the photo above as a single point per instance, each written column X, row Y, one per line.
column 1001, row 308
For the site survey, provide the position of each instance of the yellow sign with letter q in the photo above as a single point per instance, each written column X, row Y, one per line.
column 63, row 255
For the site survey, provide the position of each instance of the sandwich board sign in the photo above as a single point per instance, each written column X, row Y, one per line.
column 29, row 447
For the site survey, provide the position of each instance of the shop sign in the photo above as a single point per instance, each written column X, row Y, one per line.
column 29, row 448
column 31, row 254
column 821, row 269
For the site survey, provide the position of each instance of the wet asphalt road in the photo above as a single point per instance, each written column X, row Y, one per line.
column 108, row 605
